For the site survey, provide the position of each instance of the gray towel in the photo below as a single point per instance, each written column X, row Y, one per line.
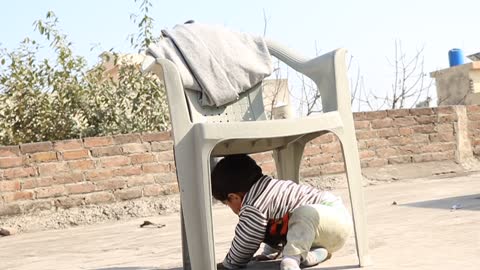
column 214, row 60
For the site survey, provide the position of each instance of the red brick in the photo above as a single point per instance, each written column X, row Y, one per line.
column 68, row 145
column 367, row 154
column 48, row 169
column 156, row 136
column 28, row 148
column 386, row 152
column 427, row 129
column 52, row 191
column 474, row 117
column 106, row 151
column 400, row 140
column 75, row 154
column 420, row 139
column 116, row 161
column 18, row 196
column 9, row 151
column 404, row 131
column 331, row 147
column 152, row 190
column 409, row 149
column 98, row 141
column 168, row 156
column 261, row 157
column 126, row 171
column 44, row 156
column 96, row 175
column 156, row 168
column 398, row 113
column 135, row 148
column 10, row 162
column 13, row 185
column 19, row 172
column 29, row 183
column 421, row 111
column 387, row 132
column 362, row 124
column 333, row 168
column 447, row 155
column 162, row 146
column 443, row 137
column 366, row 134
column 144, row 158
column 358, row 116
column 163, row 178
column 404, row 121
column 111, row 184
column 445, row 127
column 81, row 165
column 426, row 119
column 381, row 123
column 99, row 197
column 325, row 138
column 67, row 178
column 84, row 187
column 447, row 118
column 375, row 143
column 320, row 159
column 128, row 193
column 268, row 167
column 140, row 180
column 375, row 115
column 127, row 138
column 312, row 150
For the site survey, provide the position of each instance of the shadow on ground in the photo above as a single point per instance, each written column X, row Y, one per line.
column 468, row 202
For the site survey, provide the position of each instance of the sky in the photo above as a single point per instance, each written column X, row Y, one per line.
column 368, row 29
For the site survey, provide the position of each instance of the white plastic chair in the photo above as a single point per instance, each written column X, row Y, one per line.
column 200, row 133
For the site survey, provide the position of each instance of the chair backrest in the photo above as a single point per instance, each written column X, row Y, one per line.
column 248, row 107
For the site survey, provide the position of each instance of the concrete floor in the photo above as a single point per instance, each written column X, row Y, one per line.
column 420, row 232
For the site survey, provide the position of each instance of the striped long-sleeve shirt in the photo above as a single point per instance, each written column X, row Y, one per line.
column 268, row 199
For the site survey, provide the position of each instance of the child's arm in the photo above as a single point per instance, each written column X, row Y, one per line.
column 249, row 234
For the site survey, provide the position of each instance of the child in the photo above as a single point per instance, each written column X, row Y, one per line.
column 318, row 223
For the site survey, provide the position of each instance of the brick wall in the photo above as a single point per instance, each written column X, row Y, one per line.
column 70, row 173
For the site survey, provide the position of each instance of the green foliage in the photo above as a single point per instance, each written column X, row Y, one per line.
column 43, row 100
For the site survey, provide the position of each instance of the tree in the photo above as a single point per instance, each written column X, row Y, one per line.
column 44, row 99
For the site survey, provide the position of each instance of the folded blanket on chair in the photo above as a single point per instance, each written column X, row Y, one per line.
column 214, row 60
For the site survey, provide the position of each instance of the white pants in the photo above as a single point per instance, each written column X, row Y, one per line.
column 316, row 225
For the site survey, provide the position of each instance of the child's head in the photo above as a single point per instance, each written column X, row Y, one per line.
column 234, row 174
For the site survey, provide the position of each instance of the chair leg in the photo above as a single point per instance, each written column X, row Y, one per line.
column 185, row 257
column 354, row 178
column 193, row 176
column 288, row 160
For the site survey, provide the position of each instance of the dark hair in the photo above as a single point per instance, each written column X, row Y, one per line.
column 234, row 173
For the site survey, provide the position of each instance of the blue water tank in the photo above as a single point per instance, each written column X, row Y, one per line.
column 455, row 57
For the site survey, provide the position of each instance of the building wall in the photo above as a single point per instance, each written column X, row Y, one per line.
column 64, row 174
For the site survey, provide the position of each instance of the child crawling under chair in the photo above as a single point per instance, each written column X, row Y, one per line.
column 302, row 223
